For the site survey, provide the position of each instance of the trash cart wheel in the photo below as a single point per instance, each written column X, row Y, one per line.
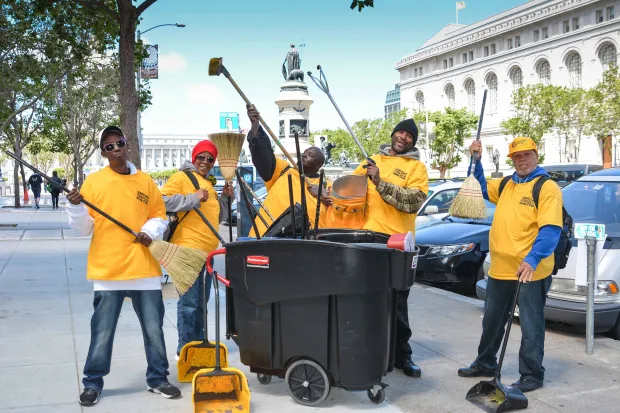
column 376, row 398
column 307, row 382
column 263, row 378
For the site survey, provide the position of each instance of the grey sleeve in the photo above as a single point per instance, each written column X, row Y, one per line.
column 180, row 203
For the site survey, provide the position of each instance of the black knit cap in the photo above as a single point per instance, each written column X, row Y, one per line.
column 407, row 125
column 107, row 131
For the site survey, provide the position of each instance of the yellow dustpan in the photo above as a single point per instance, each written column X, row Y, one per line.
column 198, row 355
column 220, row 390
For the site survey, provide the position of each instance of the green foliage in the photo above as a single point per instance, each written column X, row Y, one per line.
column 360, row 4
column 163, row 176
column 605, row 104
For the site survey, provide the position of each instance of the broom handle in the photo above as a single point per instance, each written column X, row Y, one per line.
column 206, row 221
column 64, row 188
column 245, row 184
column 239, row 179
column 318, row 204
column 498, row 374
column 484, row 101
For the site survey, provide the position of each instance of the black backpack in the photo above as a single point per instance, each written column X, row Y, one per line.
column 173, row 218
column 565, row 244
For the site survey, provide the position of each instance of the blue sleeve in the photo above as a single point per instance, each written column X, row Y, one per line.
column 544, row 244
column 479, row 175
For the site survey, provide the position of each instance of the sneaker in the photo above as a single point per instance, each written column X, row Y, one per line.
column 89, row 397
column 165, row 389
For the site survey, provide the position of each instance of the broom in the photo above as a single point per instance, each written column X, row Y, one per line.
column 469, row 202
column 181, row 263
column 229, row 145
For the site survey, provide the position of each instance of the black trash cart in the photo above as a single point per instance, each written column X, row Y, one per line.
column 318, row 313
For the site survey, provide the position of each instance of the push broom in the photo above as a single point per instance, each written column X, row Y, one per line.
column 469, row 202
column 181, row 263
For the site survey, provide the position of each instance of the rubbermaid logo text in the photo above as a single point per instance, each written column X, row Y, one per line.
column 257, row 261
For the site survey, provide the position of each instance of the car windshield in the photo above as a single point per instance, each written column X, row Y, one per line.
column 215, row 171
column 486, row 221
column 594, row 203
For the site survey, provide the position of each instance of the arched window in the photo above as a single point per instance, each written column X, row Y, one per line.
column 574, row 70
column 492, row 86
column 516, row 77
column 608, row 55
column 470, row 89
column 419, row 98
column 450, row 95
column 543, row 70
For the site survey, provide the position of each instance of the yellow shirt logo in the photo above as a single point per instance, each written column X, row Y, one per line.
column 527, row 201
column 400, row 174
column 142, row 197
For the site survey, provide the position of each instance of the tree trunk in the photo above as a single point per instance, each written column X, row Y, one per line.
column 128, row 94
column 442, row 172
column 23, row 173
column 16, row 183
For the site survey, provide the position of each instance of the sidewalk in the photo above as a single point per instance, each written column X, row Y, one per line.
column 46, row 304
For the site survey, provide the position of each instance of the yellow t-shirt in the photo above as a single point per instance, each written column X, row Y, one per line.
column 133, row 200
column 516, row 224
column 323, row 212
column 192, row 232
column 404, row 172
column 278, row 200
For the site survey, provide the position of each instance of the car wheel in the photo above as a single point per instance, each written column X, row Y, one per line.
column 615, row 332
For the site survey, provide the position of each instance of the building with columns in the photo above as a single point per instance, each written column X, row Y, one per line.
column 560, row 42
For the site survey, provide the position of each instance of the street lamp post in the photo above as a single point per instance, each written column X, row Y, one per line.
column 139, row 79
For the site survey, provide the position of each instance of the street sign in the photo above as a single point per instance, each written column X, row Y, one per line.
column 229, row 121
column 582, row 231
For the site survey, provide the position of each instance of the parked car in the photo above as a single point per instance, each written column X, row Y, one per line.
column 260, row 193
column 565, row 174
column 452, row 251
column 595, row 199
column 440, row 196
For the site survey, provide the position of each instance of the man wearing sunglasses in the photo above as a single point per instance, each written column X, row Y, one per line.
column 120, row 265
column 181, row 197
column 274, row 172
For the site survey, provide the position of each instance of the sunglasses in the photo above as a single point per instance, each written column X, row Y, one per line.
column 111, row 146
column 203, row 158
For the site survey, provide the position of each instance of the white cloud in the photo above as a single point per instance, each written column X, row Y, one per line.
column 204, row 93
column 172, row 62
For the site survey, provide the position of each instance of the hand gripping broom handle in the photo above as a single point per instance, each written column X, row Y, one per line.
column 64, row 188
column 473, row 159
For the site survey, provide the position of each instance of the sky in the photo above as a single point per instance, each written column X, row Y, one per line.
column 357, row 52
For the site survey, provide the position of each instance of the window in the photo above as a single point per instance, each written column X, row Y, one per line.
column 451, row 62
column 610, row 12
column 450, row 95
column 493, row 48
column 574, row 70
column 599, row 16
column 536, row 35
column 420, row 71
column 575, row 23
column 545, row 33
column 464, row 57
column 471, row 56
column 508, row 44
column 543, row 70
column 608, row 55
column 470, row 89
column 445, row 63
column 486, row 51
column 565, row 26
column 516, row 77
column 442, row 200
column 419, row 98
column 490, row 153
column 415, row 72
column 517, row 41
column 492, row 85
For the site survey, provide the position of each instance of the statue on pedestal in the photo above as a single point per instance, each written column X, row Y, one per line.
column 326, row 148
column 496, row 160
column 293, row 63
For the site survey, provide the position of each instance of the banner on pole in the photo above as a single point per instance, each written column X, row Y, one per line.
column 460, row 5
column 150, row 64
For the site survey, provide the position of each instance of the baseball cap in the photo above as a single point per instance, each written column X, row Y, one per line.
column 520, row 144
column 107, row 131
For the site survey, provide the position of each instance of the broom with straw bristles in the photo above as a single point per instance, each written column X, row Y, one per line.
column 181, row 263
column 229, row 145
column 469, row 203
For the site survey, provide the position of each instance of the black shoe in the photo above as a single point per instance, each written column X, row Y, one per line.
column 409, row 368
column 526, row 385
column 165, row 389
column 89, row 397
column 475, row 372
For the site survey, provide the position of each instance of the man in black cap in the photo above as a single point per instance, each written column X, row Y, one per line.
column 398, row 190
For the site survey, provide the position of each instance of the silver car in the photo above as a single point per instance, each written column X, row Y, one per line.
column 594, row 198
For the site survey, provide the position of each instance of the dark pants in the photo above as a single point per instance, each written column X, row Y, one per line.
column 55, row 196
column 149, row 307
column 531, row 301
column 403, row 331
column 36, row 192
column 190, row 322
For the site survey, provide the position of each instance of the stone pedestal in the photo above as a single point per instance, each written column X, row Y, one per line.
column 497, row 175
column 294, row 105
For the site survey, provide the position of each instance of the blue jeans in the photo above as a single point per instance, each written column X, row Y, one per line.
column 190, row 321
column 531, row 301
column 149, row 307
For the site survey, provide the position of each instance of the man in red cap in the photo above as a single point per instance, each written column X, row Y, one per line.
column 187, row 189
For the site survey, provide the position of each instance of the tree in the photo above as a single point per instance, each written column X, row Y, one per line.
column 43, row 161
column 572, row 119
column 451, row 129
column 605, row 107
column 534, row 113
column 360, row 4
